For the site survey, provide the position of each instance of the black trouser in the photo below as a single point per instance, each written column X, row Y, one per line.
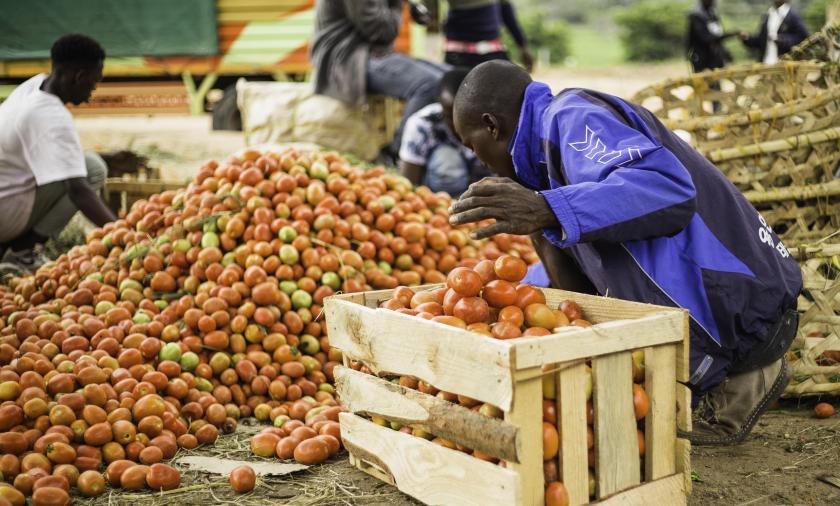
column 778, row 341
column 471, row 59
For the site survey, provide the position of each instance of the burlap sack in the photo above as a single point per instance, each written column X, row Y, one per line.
column 277, row 113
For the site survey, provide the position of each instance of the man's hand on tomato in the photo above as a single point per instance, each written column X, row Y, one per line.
column 516, row 209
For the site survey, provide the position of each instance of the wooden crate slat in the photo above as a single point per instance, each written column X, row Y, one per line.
column 683, row 462
column 141, row 187
column 665, row 492
column 367, row 394
column 573, row 343
column 683, row 446
column 660, row 424
column 449, row 358
column 616, row 442
column 429, row 472
column 683, row 369
column 600, row 309
column 526, row 413
column 571, row 417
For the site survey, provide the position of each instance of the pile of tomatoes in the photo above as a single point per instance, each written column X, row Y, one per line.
column 202, row 306
column 487, row 297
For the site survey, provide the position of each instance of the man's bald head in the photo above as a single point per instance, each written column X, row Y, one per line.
column 495, row 87
column 486, row 111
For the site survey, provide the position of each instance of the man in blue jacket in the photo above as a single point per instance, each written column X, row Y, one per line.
column 642, row 216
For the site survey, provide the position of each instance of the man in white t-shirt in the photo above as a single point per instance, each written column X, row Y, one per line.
column 45, row 177
column 430, row 152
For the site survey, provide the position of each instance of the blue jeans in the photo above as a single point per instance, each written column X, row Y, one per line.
column 400, row 76
column 446, row 170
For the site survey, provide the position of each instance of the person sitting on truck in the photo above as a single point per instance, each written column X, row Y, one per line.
column 430, row 153
column 45, row 177
column 352, row 54
column 473, row 33
column 615, row 199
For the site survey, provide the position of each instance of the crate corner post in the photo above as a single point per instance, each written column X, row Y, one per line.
column 526, row 414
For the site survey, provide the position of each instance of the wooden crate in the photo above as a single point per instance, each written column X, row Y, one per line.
column 121, row 192
column 509, row 375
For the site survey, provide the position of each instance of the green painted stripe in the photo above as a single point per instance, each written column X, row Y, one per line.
column 6, row 90
column 268, row 45
column 291, row 33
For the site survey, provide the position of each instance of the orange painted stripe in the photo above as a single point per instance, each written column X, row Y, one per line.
column 298, row 56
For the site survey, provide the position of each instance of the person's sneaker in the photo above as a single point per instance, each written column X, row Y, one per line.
column 28, row 259
column 727, row 414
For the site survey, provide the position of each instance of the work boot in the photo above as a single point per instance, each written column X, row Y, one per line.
column 727, row 414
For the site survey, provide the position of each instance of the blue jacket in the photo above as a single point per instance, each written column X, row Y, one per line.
column 649, row 219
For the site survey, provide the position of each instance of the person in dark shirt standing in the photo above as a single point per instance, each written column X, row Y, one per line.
column 705, row 38
column 781, row 29
column 473, row 33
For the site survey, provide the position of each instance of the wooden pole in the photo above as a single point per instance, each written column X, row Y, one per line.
column 830, row 189
column 774, row 146
column 363, row 393
column 824, row 251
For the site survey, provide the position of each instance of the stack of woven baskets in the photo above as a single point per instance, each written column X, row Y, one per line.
column 815, row 354
column 774, row 130
column 822, row 46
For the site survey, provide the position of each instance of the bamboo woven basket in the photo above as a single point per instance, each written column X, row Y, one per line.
column 798, row 160
column 747, row 104
column 815, row 353
column 800, row 214
column 821, row 46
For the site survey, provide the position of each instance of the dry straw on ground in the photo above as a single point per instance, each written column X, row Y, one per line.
column 333, row 483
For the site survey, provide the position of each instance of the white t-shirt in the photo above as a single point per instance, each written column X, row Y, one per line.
column 775, row 18
column 424, row 131
column 39, row 143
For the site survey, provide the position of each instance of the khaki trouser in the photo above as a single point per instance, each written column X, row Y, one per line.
column 53, row 209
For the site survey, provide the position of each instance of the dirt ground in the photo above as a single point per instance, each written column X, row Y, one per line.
column 779, row 465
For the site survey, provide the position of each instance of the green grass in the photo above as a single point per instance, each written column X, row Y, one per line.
column 591, row 47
